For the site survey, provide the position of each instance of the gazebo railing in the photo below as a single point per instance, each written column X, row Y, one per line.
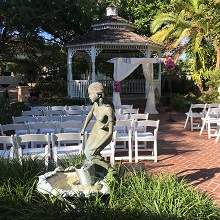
column 80, row 87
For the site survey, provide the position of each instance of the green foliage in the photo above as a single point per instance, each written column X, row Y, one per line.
column 135, row 196
column 7, row 110
column 72, row 160
column 192, row 26
column 180, row 103
column 51, row 88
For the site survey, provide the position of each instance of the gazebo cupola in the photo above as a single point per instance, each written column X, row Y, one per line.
column 112, row 33
column 113, row 21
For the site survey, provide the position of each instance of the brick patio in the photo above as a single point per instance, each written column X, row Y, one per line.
column 187, row 155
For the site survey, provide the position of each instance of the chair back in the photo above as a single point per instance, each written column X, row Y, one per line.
column 70, row 126
column 138, row 117
column 62, row 108
column 23, row 119
column 39, row 108
column 7, row 141
column 14, row 128
column 64, row 144
column 146, row 125
column 32, row 113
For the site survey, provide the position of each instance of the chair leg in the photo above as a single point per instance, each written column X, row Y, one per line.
column 155, row 151
column 186, row 122
column 191, row 119
column 203, row 126
column 130, row 150
column 218, row 136
column 136, row 150
column 209, row 130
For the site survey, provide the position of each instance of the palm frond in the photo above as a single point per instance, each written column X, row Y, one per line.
column 162, row 35
column 184, row 34
column 160, row 20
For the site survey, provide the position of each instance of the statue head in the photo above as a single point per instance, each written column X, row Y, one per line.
column 96, row 91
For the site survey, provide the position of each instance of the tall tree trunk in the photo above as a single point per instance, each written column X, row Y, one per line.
column 217, row 66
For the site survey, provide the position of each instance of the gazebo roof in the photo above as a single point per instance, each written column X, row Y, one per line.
column 111, row 36
column 110, row 19
column 110, row 30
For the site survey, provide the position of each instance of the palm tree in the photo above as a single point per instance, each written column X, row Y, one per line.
column 190, row 25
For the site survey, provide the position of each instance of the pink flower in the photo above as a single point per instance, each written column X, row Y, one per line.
column 169, row 64
column 117, row 86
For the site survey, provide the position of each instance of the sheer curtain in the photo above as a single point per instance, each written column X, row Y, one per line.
column 150, row 106
column 123, row 67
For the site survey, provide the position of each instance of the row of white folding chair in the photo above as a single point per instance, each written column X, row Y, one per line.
column 23, row 119
column 53, row 112
column 51, row 146
column 73, row 107
column 124, row 133
column 44, row 127
column 210, row 121
column 196, row 112
column 62, row 145
column 8, row 146
column 124, row 129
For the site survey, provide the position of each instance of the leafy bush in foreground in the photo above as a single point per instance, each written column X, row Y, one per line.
column 133, row 196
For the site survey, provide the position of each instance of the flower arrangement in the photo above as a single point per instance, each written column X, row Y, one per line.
column 117, row 86
column 169, row 64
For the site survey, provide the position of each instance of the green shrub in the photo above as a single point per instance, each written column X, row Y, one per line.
column 181, row 103
column 7, row 110
column 134, row 196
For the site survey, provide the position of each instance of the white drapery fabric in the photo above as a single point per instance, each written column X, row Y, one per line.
column 123, row 67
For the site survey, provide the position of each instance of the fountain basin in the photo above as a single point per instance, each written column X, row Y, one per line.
column 66, row 183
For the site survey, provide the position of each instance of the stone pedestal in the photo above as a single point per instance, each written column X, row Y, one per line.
column 23, row 93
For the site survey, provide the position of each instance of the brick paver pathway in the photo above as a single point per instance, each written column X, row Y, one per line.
column 188, row 155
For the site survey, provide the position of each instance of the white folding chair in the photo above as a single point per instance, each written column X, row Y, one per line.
column 14, row 128
column 34, row 145
column 121, row 116
column 39, row 108
column 62, row 108
column 79, row 118
column 123, row 134
column 32, row 113
column 75, row 107
column 8, row 146
column 210, row 120
column 23, row 119
column 70, row 126
column 195, row 113
column 73, row 112
column 126, row 106
column 109, row 150
column 66, row 144
column 142, row 134
column 43, row 127
column 213, row 105
column 54, row 112
column 130, row 111
column 138, row 117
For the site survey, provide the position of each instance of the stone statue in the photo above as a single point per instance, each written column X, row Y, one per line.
column 101, row 133
column 92, row 177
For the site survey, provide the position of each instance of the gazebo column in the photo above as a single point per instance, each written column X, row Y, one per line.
column 160, row 54
column 70, row 54
column 93, row 53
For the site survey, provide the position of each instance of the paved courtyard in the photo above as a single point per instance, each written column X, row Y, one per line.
column 187, row 155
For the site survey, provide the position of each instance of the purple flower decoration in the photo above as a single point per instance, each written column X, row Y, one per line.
column 117, row 86
column 169, row 64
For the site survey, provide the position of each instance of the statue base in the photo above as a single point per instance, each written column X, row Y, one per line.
column 72, row 182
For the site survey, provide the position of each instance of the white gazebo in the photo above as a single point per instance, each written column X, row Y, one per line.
column 116, row 36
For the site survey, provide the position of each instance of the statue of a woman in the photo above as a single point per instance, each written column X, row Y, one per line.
column 102, row 131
